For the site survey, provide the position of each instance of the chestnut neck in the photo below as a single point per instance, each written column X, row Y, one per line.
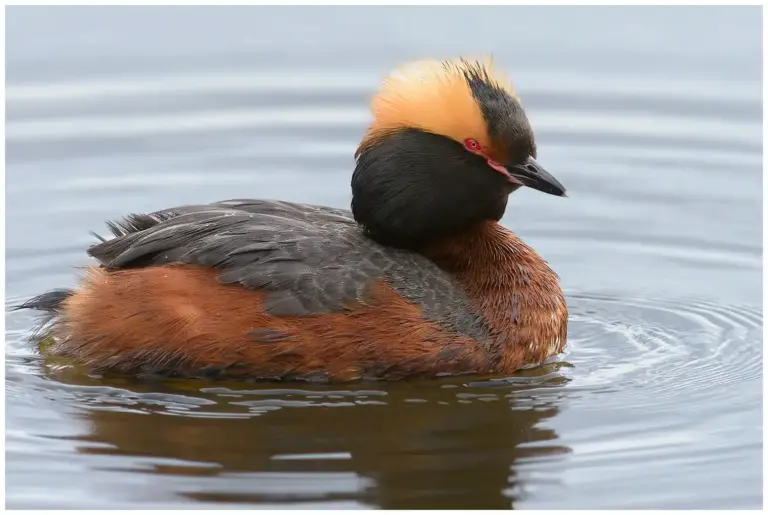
column 486, row 252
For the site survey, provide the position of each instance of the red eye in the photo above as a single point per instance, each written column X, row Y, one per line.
column 472, row 144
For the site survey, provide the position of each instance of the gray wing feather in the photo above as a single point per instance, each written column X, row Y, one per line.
column 309, row 259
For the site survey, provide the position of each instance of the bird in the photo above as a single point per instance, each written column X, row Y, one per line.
column 418, row 279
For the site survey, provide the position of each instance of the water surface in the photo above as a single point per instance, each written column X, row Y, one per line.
column 650, row 117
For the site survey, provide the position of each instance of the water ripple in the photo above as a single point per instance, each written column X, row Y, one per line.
column 664, row 177
column 669, row 349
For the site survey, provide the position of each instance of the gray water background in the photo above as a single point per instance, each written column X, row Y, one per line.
column 651, row 117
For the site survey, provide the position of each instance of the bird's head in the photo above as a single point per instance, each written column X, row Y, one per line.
column 448, row 143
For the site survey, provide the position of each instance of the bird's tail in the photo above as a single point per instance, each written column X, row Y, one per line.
column 49, row 304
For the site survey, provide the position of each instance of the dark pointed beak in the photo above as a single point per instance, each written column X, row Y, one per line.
column 533, row 175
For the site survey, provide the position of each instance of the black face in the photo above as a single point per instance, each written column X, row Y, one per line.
column 504, row 116
column 413, row 187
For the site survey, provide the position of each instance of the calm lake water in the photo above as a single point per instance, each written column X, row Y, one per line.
column 650, row 117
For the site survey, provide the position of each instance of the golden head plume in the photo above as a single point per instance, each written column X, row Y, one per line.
column 435, row 96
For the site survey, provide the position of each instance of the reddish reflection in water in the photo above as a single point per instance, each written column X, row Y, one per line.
column 412, row 445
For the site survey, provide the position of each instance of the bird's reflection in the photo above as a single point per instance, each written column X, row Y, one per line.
column 446, row 445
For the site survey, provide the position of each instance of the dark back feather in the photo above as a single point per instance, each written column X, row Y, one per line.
column 310, row 259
